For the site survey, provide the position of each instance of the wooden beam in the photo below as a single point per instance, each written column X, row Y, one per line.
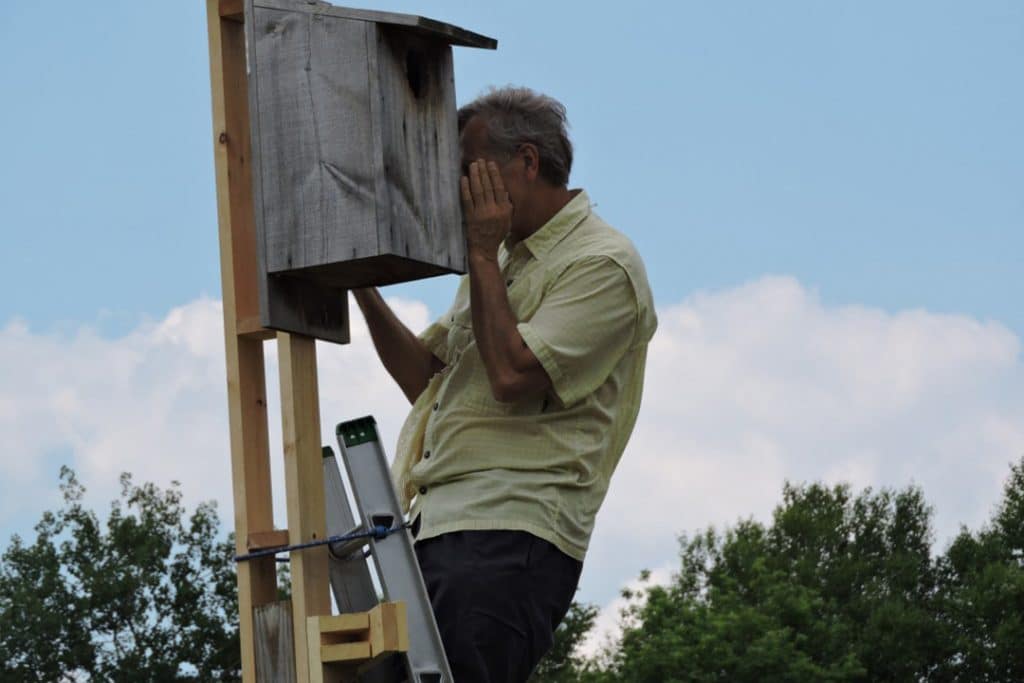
column 353, row 622
column 234, row 173
column 304, row 486
column 251, row 328
column 389, row 628
column 262, row 540
column 232, row 10
column 358, row 651
column 275, row 661
column 338, row 645
column 246, row 381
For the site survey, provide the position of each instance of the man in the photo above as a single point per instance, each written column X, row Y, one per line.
column 524, row 394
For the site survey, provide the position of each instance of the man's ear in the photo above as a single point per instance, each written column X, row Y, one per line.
column 531, row 160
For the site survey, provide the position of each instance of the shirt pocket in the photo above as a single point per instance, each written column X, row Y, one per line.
column 526, row 294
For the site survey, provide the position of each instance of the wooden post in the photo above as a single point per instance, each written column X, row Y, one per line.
column 242, row 279
column 247, row 408
column 246, row 375
column 304, row 486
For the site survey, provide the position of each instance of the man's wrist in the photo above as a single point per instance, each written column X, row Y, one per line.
column 479, row 256
column 365, row 296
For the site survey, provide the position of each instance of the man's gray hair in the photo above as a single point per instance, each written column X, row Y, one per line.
column 515, row 116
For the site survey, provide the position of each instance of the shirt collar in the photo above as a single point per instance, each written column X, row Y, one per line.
column 559, row 225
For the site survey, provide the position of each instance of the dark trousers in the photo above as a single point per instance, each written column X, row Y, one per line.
column 498, row 597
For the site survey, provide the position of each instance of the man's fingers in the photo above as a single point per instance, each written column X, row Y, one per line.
column 485, row 181
column 467, row 198
column 497, row 184
column 475, row 184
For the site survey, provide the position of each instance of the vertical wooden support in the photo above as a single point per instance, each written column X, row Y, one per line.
column 247, row 407
column 304, row 485
column 275, row 643
column 246, row 377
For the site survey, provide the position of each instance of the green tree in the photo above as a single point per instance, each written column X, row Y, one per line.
column 148, row 595
column 837, row 588
column 562, row 664
column 983, row 587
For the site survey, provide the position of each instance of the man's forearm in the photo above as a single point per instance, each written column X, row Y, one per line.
column 404, row 356
column 501, row 347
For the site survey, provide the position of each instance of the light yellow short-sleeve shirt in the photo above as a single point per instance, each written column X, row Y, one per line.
column 543, row 465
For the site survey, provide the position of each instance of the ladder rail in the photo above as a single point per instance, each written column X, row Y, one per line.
column 394, row 558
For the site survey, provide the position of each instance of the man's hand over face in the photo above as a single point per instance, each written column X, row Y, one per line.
column 487, row 208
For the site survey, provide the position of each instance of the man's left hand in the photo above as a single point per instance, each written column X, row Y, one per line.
column 486, row 206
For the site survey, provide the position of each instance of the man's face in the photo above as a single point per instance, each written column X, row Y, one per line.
column 476, row 145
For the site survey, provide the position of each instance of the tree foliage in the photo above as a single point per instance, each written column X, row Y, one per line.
column 149, row 594
column 838, row 587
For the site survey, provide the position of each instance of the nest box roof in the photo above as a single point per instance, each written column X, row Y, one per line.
column 449, row 33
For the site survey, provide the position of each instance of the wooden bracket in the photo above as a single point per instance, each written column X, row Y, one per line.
column 348, row 640
column 263, row 540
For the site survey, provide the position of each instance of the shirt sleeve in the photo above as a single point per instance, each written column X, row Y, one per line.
column 435, row 338
column 583, row 327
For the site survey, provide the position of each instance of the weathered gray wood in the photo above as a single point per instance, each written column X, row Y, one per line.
column 275, row 650
column 318, row 196
column 453, row 35
column 420, row 218
column 354, row 155
column 311, row 307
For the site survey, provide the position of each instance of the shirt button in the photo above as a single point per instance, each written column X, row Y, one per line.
column 423, row 489
column 426, row 455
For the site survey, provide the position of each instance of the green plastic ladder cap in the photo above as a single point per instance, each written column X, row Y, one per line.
column 359, row 431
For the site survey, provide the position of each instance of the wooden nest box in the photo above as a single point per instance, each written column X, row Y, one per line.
column 354, row 158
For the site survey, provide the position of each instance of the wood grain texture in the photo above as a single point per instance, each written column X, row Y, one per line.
column 304, row 485
column 232, row 9
column 318, row 200
column 246, row 382
column 355, row 154
column 358, row 651
column 420, row 217
column 438, row 30
column 389, row 629
column 261, row 540
column 315, row 308
column 353, row 622
column 275, row 660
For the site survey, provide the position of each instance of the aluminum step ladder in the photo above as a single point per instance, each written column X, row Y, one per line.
column 394, row 560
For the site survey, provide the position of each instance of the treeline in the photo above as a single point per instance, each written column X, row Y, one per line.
column 838, row 587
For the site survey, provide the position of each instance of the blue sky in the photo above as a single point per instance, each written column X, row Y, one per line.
column 828, row 197
column 873, row 150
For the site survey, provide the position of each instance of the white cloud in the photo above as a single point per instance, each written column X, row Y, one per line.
column 754, row 385
column 154, row 403
column 746, row 387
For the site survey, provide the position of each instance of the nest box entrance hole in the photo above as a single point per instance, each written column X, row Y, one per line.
column 415, row 72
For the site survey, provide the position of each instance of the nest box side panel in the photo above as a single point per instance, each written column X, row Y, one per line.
column 286, row 194
column 420, row 218
column 316, row 170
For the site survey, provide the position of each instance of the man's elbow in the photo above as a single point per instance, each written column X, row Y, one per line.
column 513, row 387
column 505, row 390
